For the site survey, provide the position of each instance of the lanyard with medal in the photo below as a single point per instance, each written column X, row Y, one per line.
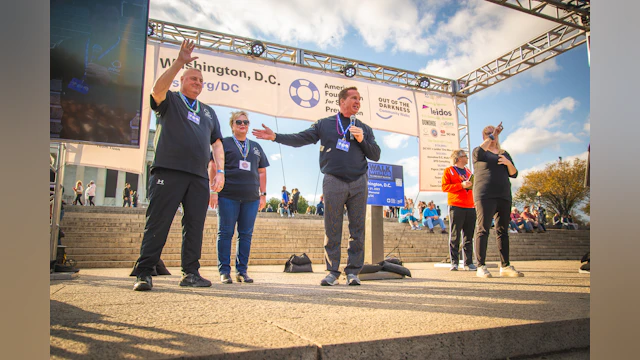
column 342, row 144
column 191, row 115
column 244, row 151
column 78, row 84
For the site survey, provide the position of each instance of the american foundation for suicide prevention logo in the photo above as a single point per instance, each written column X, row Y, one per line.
column 304, row 93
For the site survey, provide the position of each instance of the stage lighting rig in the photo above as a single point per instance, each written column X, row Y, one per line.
column 257, row 48
column 423, row 82
column 349, row 70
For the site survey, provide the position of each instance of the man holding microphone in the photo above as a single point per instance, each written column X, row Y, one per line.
column 345, row 145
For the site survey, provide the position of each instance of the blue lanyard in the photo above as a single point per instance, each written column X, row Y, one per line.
column 190, row 106
column 461, row 172
column 243, row 147
column 86, row 52
column 338, row 122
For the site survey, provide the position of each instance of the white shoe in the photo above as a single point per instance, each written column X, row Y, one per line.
column 483, row 272
column 510, row 271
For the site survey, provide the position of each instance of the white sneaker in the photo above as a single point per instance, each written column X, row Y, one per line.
column 510, row 271
column 483, row 272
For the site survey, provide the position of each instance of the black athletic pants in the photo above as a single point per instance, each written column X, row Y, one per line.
column 462, row 220
column 485, row 210
column 167, row 189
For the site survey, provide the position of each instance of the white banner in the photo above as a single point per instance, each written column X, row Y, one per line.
column 291, row 92
column 120, row 158
column 439, row 136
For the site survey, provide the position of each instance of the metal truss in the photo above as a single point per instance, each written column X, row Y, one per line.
column 574, row 13
column 542, row 48
column 463, row 125
column 209, row 40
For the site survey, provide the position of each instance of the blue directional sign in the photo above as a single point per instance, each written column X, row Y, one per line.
column 386, row 185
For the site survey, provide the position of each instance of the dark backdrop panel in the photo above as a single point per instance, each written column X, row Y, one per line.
column 97, row 70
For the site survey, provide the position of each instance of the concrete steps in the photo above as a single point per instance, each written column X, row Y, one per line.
column 107, row 237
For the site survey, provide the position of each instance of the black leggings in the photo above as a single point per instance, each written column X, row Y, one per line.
column 78, row 199
column 486, row 209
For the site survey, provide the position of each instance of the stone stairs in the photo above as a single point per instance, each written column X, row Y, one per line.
column 110, row 237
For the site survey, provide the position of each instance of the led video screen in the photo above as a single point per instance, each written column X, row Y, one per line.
column 97, row 70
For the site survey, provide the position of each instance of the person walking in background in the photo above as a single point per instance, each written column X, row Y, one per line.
column 295, row 196
column 456, row 182
column 345, row 145
column 244, row 194
column 126, row 195
column 91, row 193
column 320, row 207
column 188, row 132
column 79, row 191
column 134, row 198
column 492, row 197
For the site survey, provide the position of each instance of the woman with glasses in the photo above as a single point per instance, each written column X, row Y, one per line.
column 492, row 196
column 457, row 183
column 243, row 196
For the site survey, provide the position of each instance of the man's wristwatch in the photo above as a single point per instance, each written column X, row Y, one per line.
column 263, row 194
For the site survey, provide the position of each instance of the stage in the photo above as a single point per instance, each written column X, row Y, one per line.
column 434, row 314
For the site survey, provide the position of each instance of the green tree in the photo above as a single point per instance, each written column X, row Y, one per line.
column 587, row 208
column 274, row 202
column 302, row 205
column 561, row 186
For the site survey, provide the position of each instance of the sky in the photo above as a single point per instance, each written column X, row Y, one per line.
column 544, row 110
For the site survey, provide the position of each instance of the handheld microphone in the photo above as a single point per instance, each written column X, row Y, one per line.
column 353, row 123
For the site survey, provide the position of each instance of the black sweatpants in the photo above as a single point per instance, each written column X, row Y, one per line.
column 461, row 220
column 167, row 189
column 486, row 209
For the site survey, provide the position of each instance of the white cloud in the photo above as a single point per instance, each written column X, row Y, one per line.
column 539, row 72
column 581, row 156
column 478, row 33
column 401, row 25
column 536, row 134
column 275, row 157
column 410, row 166
column 548, row 116
column 395, row 141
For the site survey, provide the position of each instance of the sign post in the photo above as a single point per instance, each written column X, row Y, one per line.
column 386, row 188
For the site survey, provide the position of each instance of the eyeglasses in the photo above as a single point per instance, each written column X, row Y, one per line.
column 488, row 133
column 240, row 122
column 463, row 155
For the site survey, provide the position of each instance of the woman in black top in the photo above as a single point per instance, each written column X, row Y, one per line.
column 295, row 196
column 243, row 196
column 492, row 196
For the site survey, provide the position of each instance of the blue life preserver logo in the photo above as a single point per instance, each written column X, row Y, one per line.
column 304, row 93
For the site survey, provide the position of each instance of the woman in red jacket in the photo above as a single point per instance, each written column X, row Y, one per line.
column 457, row 184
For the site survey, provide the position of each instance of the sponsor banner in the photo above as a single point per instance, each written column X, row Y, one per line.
column 120, row 158
column 386, row 185
column 291, row 92
column 438, row 134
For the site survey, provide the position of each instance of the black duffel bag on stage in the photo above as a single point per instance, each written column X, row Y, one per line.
column 297, row 264
column 395, row 268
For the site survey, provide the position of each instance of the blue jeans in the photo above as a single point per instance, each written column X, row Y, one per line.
column 431, row 223
column 244, row 214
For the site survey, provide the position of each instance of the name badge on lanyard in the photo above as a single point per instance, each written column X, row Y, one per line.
column 245, row 165
column 193, row 117
column 343, row 145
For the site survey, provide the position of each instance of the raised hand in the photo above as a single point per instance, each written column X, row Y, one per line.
column 185, row 51
column 266, row 134
column 498, row 129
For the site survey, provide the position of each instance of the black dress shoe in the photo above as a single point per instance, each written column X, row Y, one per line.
column 194, row 280
column 243, row 277
column 143, row 283
column 226, row 279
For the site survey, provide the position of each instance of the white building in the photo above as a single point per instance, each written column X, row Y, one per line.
column 109, row 182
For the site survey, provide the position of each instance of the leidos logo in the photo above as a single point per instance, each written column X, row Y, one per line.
column 439, row 112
